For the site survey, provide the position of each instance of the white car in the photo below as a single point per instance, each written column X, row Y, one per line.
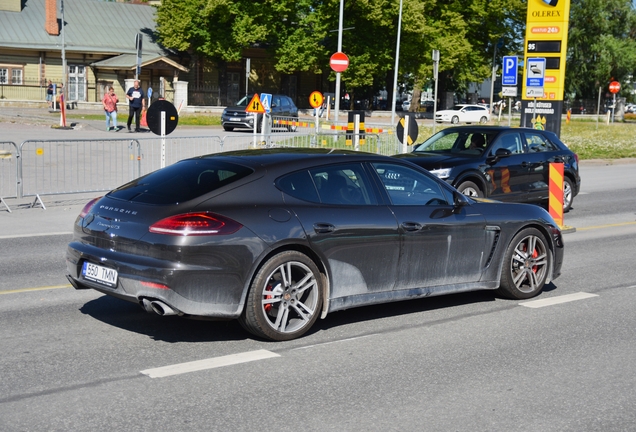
column 463, row 114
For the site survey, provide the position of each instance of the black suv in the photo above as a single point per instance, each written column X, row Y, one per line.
column 237, row 117
column 502, row 163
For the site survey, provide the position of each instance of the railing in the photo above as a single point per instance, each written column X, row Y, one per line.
column 40, row 167
column 9, row 175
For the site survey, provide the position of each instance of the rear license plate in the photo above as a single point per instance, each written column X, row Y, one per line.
column 96, row 273
column 235, row 119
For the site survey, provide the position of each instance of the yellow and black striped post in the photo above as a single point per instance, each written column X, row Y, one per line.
column 556, row 192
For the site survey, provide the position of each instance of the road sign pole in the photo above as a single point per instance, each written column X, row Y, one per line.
column 405, row 140
column 255, row 126
column 509, row 110
column 163, row 139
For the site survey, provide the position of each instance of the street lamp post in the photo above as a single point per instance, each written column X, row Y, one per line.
column 435, row 74
column 397, row 61
column 494, row 73
column 337, row 96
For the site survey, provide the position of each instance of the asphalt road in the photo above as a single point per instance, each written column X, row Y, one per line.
column 77, row 360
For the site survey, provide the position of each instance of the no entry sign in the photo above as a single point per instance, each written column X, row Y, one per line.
column 615, row 87
column 339, row 62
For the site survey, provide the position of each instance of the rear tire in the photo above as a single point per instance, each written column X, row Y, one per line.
column 470, row 189
column 285, row 298
column 526, row 265
column 483, row 120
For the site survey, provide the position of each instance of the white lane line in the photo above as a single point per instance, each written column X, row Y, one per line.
column 557, row 300
column 211, row 363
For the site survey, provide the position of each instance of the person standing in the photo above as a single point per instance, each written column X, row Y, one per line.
column 110, row 108
column 135, row 96
column 49, row 94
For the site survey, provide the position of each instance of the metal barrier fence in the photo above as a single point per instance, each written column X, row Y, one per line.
column 9, row 165
column 41, row 167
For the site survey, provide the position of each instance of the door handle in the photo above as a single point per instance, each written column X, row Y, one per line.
column 411, row 226
column 323, row 228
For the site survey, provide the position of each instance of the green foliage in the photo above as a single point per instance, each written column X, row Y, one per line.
column 601, row 45
column 300, row 35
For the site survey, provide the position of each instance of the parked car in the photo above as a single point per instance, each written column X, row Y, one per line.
column 277, row 238
column 463, row 114
column 512, row 165
column 406, row 105
column 236, row 116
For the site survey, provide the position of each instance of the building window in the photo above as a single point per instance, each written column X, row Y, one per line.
column 16, row 77
column 11, row 74
column 76, row 83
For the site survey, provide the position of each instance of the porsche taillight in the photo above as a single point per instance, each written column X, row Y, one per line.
column 195, row 224
column 88, row 207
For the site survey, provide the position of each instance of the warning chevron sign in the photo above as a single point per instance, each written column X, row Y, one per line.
column 255, row 105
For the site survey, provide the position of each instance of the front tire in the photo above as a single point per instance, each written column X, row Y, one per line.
column 455, row 120
column 470, row 189
column 568, row 194
column 526, row 265
column 285, row 298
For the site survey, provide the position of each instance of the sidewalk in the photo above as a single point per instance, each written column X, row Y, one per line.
column 26, row 221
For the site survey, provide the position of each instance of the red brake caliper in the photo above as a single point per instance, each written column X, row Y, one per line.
column 268, row 307
column 535, row 254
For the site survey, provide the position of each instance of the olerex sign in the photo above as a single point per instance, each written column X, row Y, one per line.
column 546, row 38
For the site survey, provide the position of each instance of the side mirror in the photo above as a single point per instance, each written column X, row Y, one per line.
column 499, row 154
column 459, row 201
column 502, row 152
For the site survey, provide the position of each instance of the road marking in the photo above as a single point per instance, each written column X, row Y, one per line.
column 44, row 288
column 211, row 363
column 607, row 226
column 36, row 235
column 333, row 342
column 557, row 300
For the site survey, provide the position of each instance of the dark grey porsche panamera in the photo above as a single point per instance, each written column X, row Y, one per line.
column 279, row 237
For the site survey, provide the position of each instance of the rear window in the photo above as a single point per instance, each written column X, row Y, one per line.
column 181, row 182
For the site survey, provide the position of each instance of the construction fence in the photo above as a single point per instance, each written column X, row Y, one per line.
column 53, row 167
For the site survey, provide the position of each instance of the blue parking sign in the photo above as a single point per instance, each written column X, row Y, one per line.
column 509, row 76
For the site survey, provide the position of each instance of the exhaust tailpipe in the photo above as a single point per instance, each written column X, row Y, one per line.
column 160, row 308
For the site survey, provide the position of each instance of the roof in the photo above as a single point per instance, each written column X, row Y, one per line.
column 91, row 26
column 129, row 61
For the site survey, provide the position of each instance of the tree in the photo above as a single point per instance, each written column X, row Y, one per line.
column 601, row 45
column 300, row 36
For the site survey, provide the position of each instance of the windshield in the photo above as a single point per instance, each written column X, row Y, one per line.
column 243, row 101
column 464, row 143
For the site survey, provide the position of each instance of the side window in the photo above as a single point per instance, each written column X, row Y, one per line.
column 444, row 142
column 276, row 102
column 343, row 185
column 538, row 143
column 408, row 187
column 511, row 142
column 299, row 185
